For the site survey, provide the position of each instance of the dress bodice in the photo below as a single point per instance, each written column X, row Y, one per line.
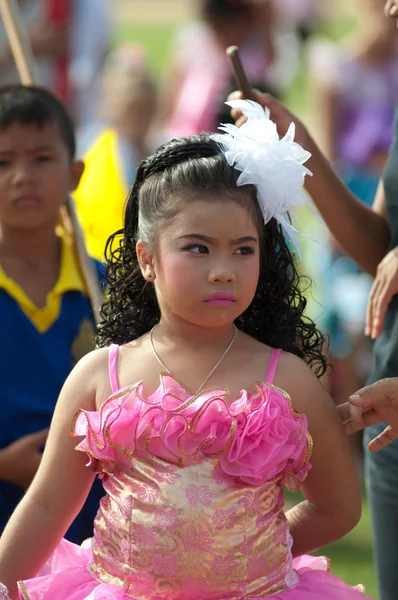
column 194, row 502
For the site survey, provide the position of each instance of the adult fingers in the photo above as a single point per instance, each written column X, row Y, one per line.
column 367, row 419
column 365, row 397
column 387, row 7
column 351, row 415
column 265, row 99
column 370, row 306
column 382, row 300
column 242, row 119
column 393, row 9
column 350, row 427
column 383, row 439
column 344, row 412
column 381, row 393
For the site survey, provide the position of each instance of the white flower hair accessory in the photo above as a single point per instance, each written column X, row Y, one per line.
column 275, row 166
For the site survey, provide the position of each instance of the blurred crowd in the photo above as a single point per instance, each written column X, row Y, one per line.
column 122, row 109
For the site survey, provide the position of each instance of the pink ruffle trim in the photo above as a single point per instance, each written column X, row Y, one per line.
column 257, row 437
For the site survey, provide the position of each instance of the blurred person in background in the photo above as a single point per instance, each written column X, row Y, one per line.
column 357, row 91
column 200, row 74
column 70, row 39
column 119, row 143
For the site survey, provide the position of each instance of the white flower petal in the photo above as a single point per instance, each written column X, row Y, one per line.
column 275, row 166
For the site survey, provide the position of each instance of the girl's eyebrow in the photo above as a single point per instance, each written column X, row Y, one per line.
column 206, row 238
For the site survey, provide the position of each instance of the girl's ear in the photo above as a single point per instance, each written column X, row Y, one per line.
column 145, row 260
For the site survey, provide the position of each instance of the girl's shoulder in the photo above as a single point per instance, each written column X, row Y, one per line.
column 284, row 369
column 295, row 377
column 92, row 371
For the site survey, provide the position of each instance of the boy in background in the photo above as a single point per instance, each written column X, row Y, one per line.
column 46, row 323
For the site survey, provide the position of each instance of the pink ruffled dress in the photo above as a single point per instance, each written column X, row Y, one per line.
column 194, row 502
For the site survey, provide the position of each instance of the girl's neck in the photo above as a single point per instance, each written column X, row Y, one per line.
column 177, row 332
column 34, row 247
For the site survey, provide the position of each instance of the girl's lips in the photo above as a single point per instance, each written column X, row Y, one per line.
column 220, row 302
column 221, row 299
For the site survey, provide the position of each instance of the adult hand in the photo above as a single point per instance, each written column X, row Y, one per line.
column 281, row 116
column 384, row 287
column 391, row 9
column 376, row 403
column 354, row 419
column 20, row 460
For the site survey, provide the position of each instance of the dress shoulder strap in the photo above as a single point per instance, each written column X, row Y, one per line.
column 112, row 367
column 273, row 363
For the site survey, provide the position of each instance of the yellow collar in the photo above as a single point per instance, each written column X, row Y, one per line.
column 69, row 279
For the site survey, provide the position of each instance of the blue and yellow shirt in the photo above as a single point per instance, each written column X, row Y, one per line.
column 40, row 346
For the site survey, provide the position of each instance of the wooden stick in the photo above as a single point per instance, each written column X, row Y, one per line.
column 19, row 42
column 24, row 59
column 239, row 72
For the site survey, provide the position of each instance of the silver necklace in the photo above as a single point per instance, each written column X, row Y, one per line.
column 213, row 369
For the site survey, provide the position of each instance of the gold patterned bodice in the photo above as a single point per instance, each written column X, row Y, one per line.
column 191, row 531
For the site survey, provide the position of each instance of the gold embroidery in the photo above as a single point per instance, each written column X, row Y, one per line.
column 190, row 530
column 23, row 590
column 310, row 447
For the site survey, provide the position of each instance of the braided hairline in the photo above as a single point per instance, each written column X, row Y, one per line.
column 169, row 157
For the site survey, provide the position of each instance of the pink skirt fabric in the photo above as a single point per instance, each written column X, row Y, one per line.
column 66, row 577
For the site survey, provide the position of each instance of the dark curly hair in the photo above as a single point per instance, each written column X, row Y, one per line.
column 178, row 168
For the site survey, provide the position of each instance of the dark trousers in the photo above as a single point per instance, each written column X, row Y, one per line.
column 382, row 489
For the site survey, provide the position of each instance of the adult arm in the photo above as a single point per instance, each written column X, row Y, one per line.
column 60, row 487
column 361, row 231
column 327, row 514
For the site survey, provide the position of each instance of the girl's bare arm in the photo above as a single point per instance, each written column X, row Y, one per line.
column 333, row 504
column 59, row 489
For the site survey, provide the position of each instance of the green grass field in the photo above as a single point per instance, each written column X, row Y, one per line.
column 352, row 556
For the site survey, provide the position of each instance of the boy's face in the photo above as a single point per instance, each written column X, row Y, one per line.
column 36, row 175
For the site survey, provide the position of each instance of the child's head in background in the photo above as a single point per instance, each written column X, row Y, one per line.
column 37, row 158
column 191, row 231
column 230, row 20
column 129, row 93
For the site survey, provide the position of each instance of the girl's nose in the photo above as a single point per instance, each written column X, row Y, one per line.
column 222, row 274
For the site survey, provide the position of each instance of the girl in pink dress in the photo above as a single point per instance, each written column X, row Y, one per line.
column 201, row 403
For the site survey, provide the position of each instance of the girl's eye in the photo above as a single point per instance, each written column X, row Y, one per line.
column 197, row 249
column 244, row 251
column 4, row 163
column 44, row 158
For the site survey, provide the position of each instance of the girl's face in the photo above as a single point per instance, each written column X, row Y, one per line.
column 207, row 263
